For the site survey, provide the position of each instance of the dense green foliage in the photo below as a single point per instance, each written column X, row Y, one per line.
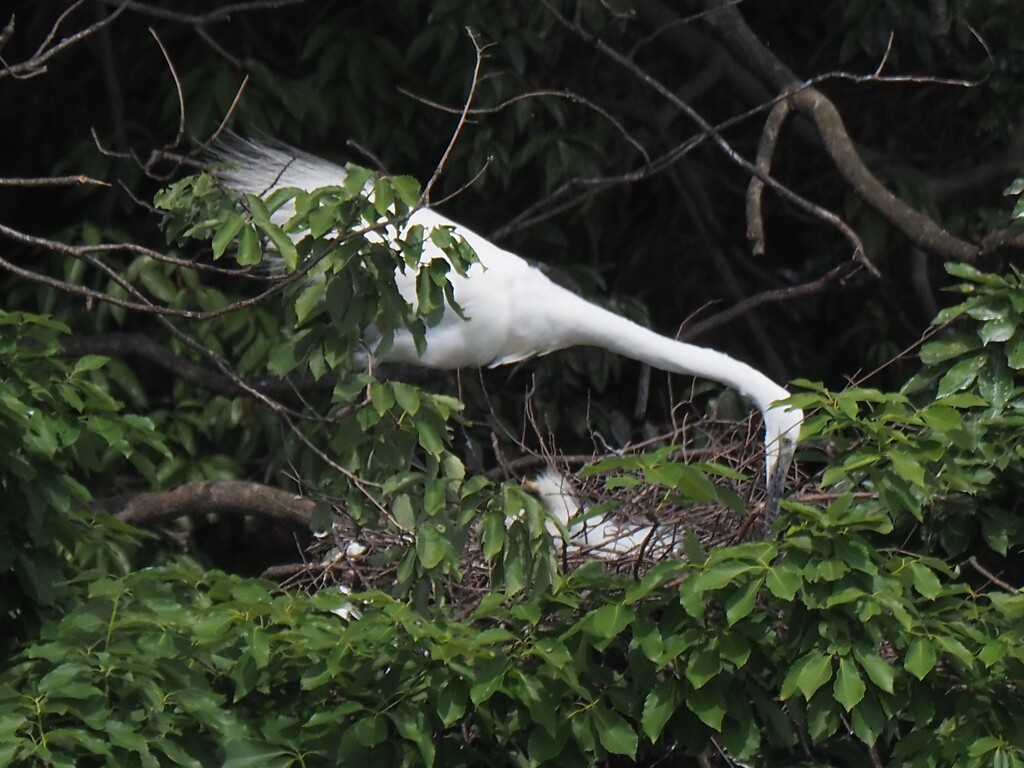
column 879, row 623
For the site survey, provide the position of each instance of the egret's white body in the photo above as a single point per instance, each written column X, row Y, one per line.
column 600, row 537
column 513, row 311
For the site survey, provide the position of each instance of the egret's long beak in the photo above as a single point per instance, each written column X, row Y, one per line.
column 776, row 485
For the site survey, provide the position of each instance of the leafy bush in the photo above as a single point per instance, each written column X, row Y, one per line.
column 851, row 637
column 59, row 429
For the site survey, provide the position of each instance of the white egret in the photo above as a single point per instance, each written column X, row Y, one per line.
column 599, row 537
column 513, row 311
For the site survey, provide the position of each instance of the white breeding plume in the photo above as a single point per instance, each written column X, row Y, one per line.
column 513, row 311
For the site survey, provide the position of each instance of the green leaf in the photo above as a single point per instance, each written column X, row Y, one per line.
column 249, row 252
column 401, row 509
column 259, row 643
column 849, row 687
column 709, row 705
column 552, row 651
column 245, row 753
column 608, row 621
column 310, row 299
column 935, row 352
column 429, row 439
column 925, row 581
column 941, row 418
column 716, row 576
column 984, row 745
column 227, row 232
column 408, row 189
column 740, row 604
column 383, row 196
column 614, row 732
column 784, row 580
column 920, row 658
column 282, row 243
column 157, row 282
column 702, row 666
column 961, row 375
column 451, row 703
column 868, row 721
column 878, row 670
column 1015, row 188
column 812, row 672
column 408, row 397
column 1015, row 353
column 493, row 534
column 89, row 363
column 907, row 467
column 127, row 737
column 998, row 330
column 689, row 481
column 430, row 545
column 659, row 705
column 411, row 724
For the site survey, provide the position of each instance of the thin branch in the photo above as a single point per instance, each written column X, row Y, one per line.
column 973, row 562
column 836, row 274
column 53, row 181
column 56, row 26
column 177, row 87
column 466, row 185
column 755, row 191
column 919, row 228
column 6, row 32
column 200, row 19
column 201, row 149
column 563, row 94
column 474, row 81
column 716, row 137
column 36, row 65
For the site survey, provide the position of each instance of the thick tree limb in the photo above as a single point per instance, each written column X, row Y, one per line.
column 918, row 227
column 209, row 497
column 714, row 135
column 746, row 46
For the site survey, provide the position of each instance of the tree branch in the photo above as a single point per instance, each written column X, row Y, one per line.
column 920, row 229
column 209, row 497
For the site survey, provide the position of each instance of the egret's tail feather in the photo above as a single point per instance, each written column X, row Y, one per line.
column 260, row 168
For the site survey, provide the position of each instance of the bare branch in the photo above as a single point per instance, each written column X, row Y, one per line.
column 36, row 64
column 200, row 19
column 834, row 275
column 920, row 229
column 712, row 133
column 566, row 94
column 1004, row 585
column 53, row 181
column 210, row 497
column 765, row 151
column 177, row 86
column 474, row 81
column 6, row 32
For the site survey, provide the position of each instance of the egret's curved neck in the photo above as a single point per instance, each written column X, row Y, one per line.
column 591, row 325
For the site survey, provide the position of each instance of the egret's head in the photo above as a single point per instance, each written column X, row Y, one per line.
column 556, row 493
column 781, row 432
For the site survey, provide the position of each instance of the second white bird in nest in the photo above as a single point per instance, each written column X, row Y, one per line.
column 594, row 536
column 513, row 311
